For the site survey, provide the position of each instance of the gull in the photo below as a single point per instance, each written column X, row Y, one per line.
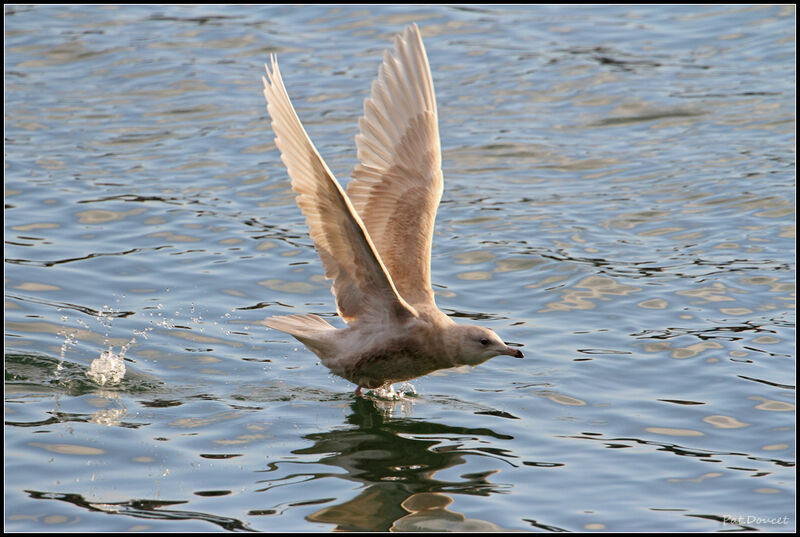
column 374, row 239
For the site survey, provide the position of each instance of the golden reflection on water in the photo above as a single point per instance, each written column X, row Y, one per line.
column 473, row 257
column 598, row 288
column 725, row 422
column 767, row 490
column 772, row 405
column 204, row 421
column 242, row 439
column 775, row 447
column 653, row 304
column 33, row 286
column 672, row 431
column 103, row 216
column 562, row 399
column 284, row 286
column 174, row 237
column 631, row 220
column 474, row 275
column 709, row 475
column 68, row 449
column 31, row 227
column 423, row 511
column 681, row 353
column 428, row 512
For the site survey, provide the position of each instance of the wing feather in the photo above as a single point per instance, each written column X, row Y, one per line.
column 397, row 185
column 361, row 283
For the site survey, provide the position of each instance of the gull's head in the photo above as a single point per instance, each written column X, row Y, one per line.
column 477, row 344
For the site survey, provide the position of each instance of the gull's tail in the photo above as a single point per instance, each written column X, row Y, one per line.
column 305, row 326
column 311, row 330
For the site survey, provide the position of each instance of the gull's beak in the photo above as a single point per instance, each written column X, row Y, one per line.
column 516, row 353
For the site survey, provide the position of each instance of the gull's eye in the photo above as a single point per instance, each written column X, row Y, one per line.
column 484, row 341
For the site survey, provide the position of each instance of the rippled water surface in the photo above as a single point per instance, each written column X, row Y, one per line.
column 619, row 199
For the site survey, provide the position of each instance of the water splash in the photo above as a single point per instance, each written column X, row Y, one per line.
column 387, row 391
column 392, row 403
column 69, row 340
column 109, row 368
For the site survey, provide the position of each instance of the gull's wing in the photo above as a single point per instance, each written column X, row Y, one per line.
column 361, row 284
column 397, row 185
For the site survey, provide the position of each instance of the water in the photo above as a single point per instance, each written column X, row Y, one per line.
column 619, row 198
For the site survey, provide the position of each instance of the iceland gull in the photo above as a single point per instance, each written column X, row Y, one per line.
column 374, row 239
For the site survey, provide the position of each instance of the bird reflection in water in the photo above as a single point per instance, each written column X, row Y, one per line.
column 376, row 451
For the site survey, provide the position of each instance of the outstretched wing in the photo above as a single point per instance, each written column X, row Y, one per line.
column 397, row 185
column 361, row 284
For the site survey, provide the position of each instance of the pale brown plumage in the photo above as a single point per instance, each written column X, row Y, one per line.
column 375, row 240
column 397, row 185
